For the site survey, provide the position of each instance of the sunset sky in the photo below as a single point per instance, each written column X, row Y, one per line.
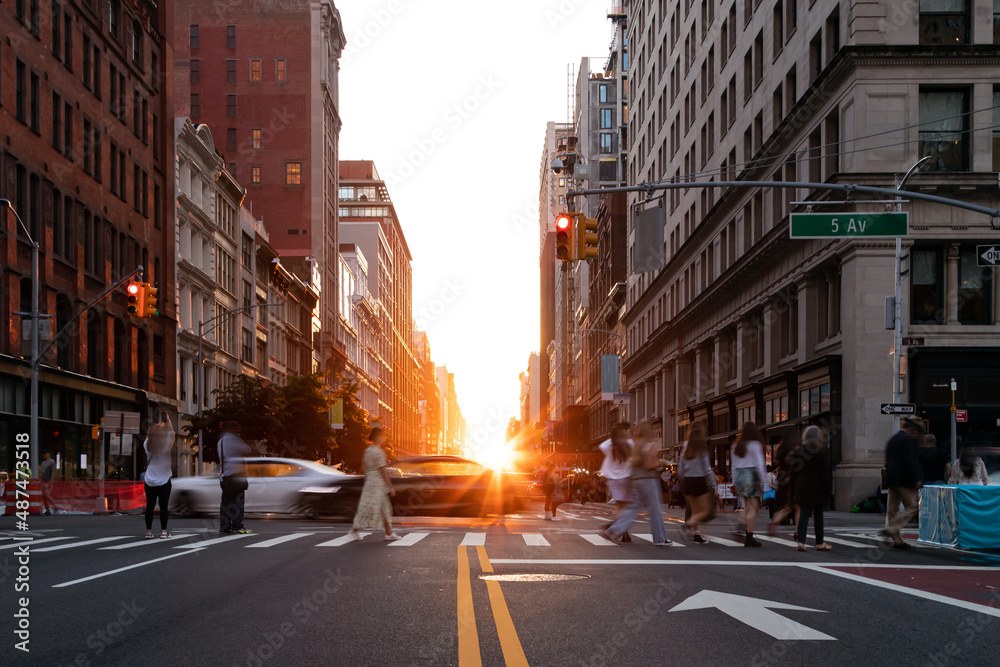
column 461, row 158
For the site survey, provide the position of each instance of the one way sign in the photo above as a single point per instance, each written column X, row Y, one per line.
column 987, row 255
column 899, row 409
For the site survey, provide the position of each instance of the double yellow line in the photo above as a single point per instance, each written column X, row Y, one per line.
column 469, row 654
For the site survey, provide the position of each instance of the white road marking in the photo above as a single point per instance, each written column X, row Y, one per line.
column 409, row 540
column 277, row 540
column 535, row 540
column 962, row 604
column 341, row 541
column 756, row 613
column 142, row 543
column 123, row 569
column 846, row 543
column 82, row 544
column 474, row 540
column 32, row 543
column 732, row 563
column 778, row 540
column 721, row 540
column 649, row 538
column 217, row 540
column 597, row 540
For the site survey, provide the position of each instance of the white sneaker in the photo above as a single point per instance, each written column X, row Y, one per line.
column 393, row 537
column 547, row 517
column 555, row 518
column 355, row 535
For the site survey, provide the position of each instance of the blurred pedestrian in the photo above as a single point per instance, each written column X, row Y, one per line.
column 645, row 493
column 557, row 496
column 812, row 486
column 374, row 507
column 969, row 469
column 156, row 481
column 232, row 478
column 617, row 469
column 46, row 470
column 748, row 476
column 696, row 477
column 784, row 480
column 904, row 479
column 933, row 461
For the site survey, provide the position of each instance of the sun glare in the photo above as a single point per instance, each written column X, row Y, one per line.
column 496, row 455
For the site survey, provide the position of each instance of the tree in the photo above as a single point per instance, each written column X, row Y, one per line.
column 249, row 401
column 305, row 419
column 353, row 438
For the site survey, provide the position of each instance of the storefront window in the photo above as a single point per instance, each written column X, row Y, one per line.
column 926, row 286
column 974, row 289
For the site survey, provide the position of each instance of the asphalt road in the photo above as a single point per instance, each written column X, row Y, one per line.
column 295, row 593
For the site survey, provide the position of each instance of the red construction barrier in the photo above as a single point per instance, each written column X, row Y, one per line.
column 34, row 497
column 82, row 495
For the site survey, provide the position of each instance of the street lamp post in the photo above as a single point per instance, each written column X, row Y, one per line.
column 201, row 369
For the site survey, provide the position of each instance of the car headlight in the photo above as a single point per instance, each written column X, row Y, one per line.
column 320, row 489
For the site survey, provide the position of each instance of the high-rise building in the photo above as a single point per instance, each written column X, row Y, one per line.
column 361, row 316
column 745, row 323
column 87, row 161
column 368, row 219
column 431, row 435
column 264, row 77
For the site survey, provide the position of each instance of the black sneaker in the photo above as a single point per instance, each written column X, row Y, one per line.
column 698, row 539
column 751, row 541
column 901, row 545
column 626, row 537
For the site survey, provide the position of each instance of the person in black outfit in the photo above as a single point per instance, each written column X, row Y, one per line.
column 812, row 486
column 933, row 460
column 904, row 478
column 784, row 505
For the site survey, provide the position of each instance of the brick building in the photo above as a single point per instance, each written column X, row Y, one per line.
column 87, row 160
column 263, row 75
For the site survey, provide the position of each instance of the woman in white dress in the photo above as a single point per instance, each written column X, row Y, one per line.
column 374, row 507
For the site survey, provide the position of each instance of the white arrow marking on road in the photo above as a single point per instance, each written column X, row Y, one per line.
column 756, row 613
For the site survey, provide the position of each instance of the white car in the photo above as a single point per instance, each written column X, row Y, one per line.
column 274, row 484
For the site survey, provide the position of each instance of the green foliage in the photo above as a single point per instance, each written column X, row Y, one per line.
column 353, row 438
column 249, row 401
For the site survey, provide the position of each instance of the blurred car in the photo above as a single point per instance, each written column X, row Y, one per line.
column 274, row 484
column 427, row 485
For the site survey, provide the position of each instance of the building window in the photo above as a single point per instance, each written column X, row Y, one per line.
column 944, row 129
column 280, row 70
column 231, row 106
column 231, row 139
column 35, row 103
column 137, row 43
column 603, row 95
column 975, row 288
column 996, row 123
column 114, row 18
column 293, row 173
column 195, row 105
column 68, row 131
column 606, row 119
column 255, row 175
column 996, row 22
column 230, row 37
column 194, row 37
column 247, row 346
column 195, row 71
column 255, row 138
column 255, row 70
column 605, row 142
column 944, row 22
column 230, row 71
column 56, row 29
column 56, row 121
column 926, row 286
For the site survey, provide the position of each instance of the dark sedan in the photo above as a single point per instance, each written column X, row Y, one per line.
column 426, row 486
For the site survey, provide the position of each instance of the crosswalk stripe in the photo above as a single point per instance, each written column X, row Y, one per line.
column 597, row 540
column 777, row 540
column 277, row 540
column 81, row 544
column 649, row 538
column 32, row 543
column 341, row 541
column 721, row 540
column 535, row 540
column 409, row 540
column 217, row 540
column 846, row 543
column 474, row 540
column 142, row 543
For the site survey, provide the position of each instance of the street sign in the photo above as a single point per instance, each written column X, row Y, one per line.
column 899, row 409
column 842, row 225
column 756, row 613
column 961, row 416
column 113, row 421
column 987, row 255
column 913, row 342
column 622, row 399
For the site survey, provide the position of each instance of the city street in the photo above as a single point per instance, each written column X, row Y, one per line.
column 299, row 592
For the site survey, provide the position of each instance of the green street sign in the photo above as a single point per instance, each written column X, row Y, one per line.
column 841, row 225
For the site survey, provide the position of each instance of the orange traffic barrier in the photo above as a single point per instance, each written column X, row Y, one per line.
column 80, row 495
column 34, row 497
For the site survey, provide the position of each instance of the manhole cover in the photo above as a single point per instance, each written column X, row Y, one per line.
column 533, row 577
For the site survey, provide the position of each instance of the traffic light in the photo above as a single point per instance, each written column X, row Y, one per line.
column 564, row 237
column 586, row 237
column 134, row 292
column 149, row 308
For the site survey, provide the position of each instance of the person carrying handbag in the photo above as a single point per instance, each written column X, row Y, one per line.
column 646, row 492
column 232, row 478
column 697, row 481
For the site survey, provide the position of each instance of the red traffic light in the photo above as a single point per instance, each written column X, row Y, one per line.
column 563, row 222
column 133, row 288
